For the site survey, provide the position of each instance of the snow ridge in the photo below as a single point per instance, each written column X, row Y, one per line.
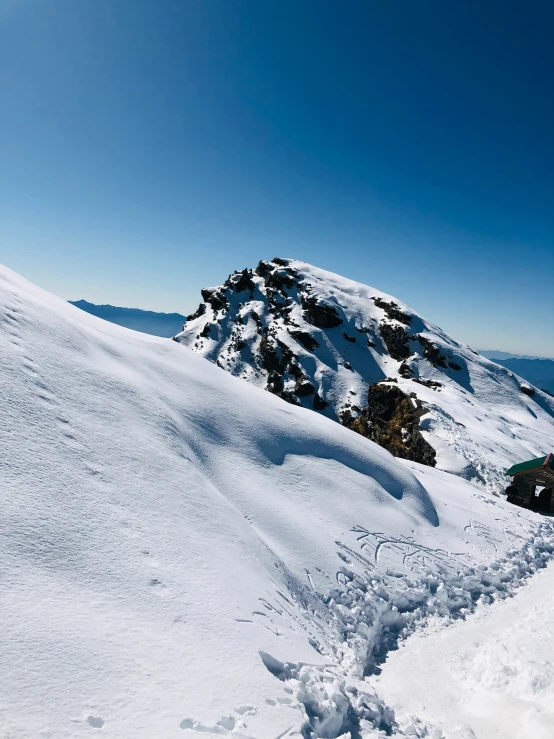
column 322, row 341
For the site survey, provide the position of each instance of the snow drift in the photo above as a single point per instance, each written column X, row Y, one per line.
column 320, row 340
column 183, row 552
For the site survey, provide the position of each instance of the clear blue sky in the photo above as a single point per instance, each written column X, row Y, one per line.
column 150, row 147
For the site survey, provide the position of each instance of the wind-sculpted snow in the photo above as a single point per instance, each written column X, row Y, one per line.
column 184, row 553
column 321, row 341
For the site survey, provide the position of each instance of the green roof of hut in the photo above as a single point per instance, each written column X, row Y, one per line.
column 547, row 461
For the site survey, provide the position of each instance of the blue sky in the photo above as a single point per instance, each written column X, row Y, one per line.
column 151, row 147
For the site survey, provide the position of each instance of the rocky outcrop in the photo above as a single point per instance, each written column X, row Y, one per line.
column 320, row 314
column 405, row 370
column 244, row 282
column 392, row 311
column 215, row 297
column 303, row 388
column 318, row 403
column 432, row 352
column 396, row 341
column 306, row 339
column 198, row 312
column 391, row 419
column 433, row 384
column 280, row 279
column 264, row 268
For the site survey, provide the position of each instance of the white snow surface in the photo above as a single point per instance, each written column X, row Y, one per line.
column 183, row 553
column 488, row 676
column 479, row 419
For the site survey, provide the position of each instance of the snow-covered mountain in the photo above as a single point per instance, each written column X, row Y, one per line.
column 355, row 354
column 184, row 555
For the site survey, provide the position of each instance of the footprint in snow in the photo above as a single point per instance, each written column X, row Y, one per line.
column 95, row 721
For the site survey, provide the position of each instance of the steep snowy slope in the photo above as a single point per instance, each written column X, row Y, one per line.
column 184, row 554
column 323, row 341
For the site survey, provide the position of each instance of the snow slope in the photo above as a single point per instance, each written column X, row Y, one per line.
column 489, row 676
column 184, row 553
column 321, row 340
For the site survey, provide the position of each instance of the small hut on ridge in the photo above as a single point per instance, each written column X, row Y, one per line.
column 533, row 484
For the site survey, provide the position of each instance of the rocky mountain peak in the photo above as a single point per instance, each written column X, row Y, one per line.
column 334, row 345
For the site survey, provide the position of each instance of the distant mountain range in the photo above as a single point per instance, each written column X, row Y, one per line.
column 495, row 355
column 149, row 322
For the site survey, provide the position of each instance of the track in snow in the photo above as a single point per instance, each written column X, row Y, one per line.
column 488, row 677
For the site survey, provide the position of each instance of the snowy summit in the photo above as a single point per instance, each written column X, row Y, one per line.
column 362, row 357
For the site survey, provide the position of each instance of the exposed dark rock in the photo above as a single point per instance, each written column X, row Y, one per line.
column 396, row 341
column 280, row 262
column 278, row 360
column 427, row 383
column 391, row 420
column 206, row 330
column 306, row 339
column 348, row 366
column 352, row 339
column 432, row 352
column 363, row 329
column 245, row 282
column 393, row 311
column 257, row 320
column 320, row 314
column 215, row 297
column 198, row 312
column 318, row 403
column 279, row 279
column 371, row 344
column 296, row 371
column 290, row 397
column 405, row 370
column 274, row 354
column 347, row 418
column 274, row 382
column 304, row 388
column 455, row 366
column 526, row 390
column 238, row 344
column 263, row 268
